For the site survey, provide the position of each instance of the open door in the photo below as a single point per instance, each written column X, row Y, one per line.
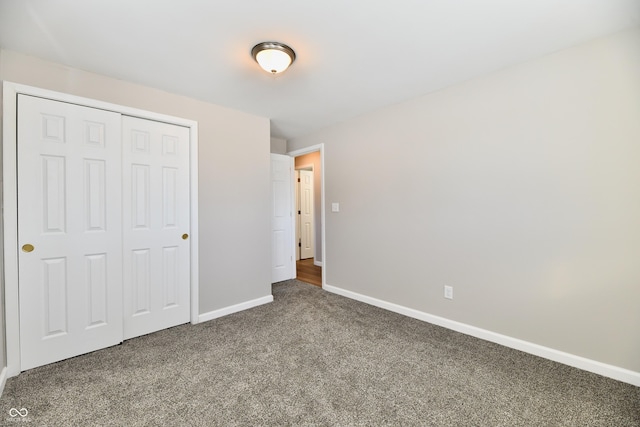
column 283, row 266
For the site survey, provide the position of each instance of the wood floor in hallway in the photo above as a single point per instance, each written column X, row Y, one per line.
column 308, row 272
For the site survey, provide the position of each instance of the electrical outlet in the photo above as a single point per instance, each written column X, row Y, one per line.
column 448, row 292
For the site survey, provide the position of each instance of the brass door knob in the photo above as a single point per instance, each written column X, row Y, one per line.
column 185, row 236
column 27, row 248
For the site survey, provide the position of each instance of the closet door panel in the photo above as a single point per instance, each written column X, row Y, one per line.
column 69, row 223
column 156, row 217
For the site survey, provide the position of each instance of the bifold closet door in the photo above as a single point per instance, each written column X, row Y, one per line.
column 70, row 246
column 156, row 206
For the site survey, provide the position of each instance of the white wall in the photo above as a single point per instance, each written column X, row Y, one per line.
column 233, row 166
column 278, row 146
column 521, row 189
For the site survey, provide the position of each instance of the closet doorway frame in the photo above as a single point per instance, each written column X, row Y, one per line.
column 10, row 92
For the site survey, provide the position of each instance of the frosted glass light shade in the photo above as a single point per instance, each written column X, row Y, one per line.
column 273, row 57
column 273, row 61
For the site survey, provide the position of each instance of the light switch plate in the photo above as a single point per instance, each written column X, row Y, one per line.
column 448, row 292
column 335, row 207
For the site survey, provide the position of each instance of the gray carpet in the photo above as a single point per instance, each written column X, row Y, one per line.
column 315, row 358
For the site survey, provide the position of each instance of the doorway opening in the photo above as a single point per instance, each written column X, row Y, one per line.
column 309, row 210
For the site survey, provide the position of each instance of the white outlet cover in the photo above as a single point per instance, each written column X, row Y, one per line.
column 335, row 207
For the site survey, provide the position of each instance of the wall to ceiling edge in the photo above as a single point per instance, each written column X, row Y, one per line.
column 234, row 202
column 521, row 189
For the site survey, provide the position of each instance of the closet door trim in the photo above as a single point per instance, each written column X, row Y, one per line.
column 10, row 93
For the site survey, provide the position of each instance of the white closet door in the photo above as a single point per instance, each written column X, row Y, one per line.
column 69, row 210
column 156, row 217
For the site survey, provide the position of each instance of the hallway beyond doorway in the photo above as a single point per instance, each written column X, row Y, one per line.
column 308, row 272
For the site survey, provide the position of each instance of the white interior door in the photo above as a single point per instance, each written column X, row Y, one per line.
column 69, row 210
column 156, row 216
column 283, row 266
column 306, row 215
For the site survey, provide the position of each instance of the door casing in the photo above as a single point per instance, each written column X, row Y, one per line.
column 10, row 201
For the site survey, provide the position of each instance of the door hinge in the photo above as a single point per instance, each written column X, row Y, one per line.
column 299, row 212
column 298, row 179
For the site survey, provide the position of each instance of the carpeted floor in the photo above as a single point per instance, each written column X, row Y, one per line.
column 314, row 358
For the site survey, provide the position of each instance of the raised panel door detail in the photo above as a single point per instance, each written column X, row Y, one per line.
column 279, row 242
column 170, row 145
column 169, row 197
column 95, row 195
column 141, row 265
column 307, row 201
column 53, row 128
column 140, row 191
column 94, row 134
column 281, row 194
column 96, row 270
column 170, row 276
column 54, row 200
column 307, row 235
column 55, row 296
column 140, row 142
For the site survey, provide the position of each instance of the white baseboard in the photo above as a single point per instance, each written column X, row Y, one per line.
column 3, row 380
column 317, row 263
column 234, row 308
column 610, row 371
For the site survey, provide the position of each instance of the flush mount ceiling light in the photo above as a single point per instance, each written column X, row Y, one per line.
column 273, row 57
